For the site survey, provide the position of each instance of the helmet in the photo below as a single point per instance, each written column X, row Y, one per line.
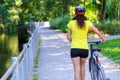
column 79, row 9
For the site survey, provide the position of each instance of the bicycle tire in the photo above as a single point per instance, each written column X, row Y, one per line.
column 94, row 72
column 101, row 73
column 97, row 72
column 91, row 63
column 93, row 75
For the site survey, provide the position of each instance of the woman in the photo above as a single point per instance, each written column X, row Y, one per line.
column 78, row 28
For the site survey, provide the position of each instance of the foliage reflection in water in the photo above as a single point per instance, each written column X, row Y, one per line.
column 8, row 49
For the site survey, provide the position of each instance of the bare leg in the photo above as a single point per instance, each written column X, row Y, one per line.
column 82, row 68
column 76, row 64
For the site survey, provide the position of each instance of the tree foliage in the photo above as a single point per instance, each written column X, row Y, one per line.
column 111, row 11
column 20, row 12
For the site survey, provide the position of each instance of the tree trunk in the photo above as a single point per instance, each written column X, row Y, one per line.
column 65, row 6
column 84, row 3
column 102, row 11
column 119, row 10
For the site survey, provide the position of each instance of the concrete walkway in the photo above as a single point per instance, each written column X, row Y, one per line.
column 55, row 62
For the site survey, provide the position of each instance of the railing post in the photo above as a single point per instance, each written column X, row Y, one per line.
column 30, row 58
column 16, row 72
column 25, row 70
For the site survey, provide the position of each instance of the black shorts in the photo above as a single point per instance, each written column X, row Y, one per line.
column 75, row 52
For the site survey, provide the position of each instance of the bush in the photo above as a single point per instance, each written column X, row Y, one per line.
column 55, row 24
column 60, row 23
column 111, row 28
column 107, row 27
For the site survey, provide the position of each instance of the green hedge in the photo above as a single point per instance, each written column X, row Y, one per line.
column 107, row 27
column 60, row 23
column 111, row 27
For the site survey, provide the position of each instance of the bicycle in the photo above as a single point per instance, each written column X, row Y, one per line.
column 95, row 68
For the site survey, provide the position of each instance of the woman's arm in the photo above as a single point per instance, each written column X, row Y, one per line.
column 69, row 34
column 101, row 36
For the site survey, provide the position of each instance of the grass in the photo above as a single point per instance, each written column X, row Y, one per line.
column 36, row 61
column 111, row 49
column 35, row 77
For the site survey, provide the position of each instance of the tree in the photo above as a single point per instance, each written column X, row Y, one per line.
column 102, row 11
column 111, row 11
column 119, row 10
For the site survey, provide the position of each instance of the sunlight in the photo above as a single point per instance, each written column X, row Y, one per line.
column 112, row 70
column 13, row 11
column 2, row 36
column 116, row 49
column 13, row 45
column 16, row 17
column 18, row 2
column 72, row 11
column 47, row 24
column 57, row 53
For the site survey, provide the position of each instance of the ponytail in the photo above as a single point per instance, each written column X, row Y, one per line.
column 80, row 20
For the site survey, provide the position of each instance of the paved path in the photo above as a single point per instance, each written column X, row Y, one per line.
column 55, row 62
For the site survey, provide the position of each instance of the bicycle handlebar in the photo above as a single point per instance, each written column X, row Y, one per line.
column 97, row 42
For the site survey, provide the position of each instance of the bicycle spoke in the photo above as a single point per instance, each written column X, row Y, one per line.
column 101, row 74
column 94, row 73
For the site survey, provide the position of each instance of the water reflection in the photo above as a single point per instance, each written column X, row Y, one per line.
column 8, row 48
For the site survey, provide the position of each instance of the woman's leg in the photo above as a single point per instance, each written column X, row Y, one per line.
column 76, row 64
column 82, row 68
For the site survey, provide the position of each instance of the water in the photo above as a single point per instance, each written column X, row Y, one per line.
column 8, row 49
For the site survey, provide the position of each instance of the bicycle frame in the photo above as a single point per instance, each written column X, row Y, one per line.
column 99, row 68
column 92, row 58
column 95, row 68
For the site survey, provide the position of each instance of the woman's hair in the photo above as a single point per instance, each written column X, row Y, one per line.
column 80, row 20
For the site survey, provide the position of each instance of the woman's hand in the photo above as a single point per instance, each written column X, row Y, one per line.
column 103, row 41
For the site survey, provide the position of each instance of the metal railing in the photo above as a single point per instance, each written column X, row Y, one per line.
column 22, row 65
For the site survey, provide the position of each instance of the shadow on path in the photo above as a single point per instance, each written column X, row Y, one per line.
column 55, row 62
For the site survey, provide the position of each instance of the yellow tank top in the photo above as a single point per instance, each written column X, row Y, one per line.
column 79, row 35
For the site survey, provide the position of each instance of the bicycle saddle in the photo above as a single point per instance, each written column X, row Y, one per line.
column 96, row 48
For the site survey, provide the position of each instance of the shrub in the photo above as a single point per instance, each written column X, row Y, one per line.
column 60, row 23
column 107, row 27
column 111, row 28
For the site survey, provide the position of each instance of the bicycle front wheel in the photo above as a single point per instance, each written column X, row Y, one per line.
column 94, row 73
column 93, row 76
column 101, row 74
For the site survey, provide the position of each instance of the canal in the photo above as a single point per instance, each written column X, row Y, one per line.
column 8, row 49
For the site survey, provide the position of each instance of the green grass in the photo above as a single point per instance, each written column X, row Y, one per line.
column 111, row 49
column 35, row 66
column 35, row 70
column 35, row 77
column 36, row 61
